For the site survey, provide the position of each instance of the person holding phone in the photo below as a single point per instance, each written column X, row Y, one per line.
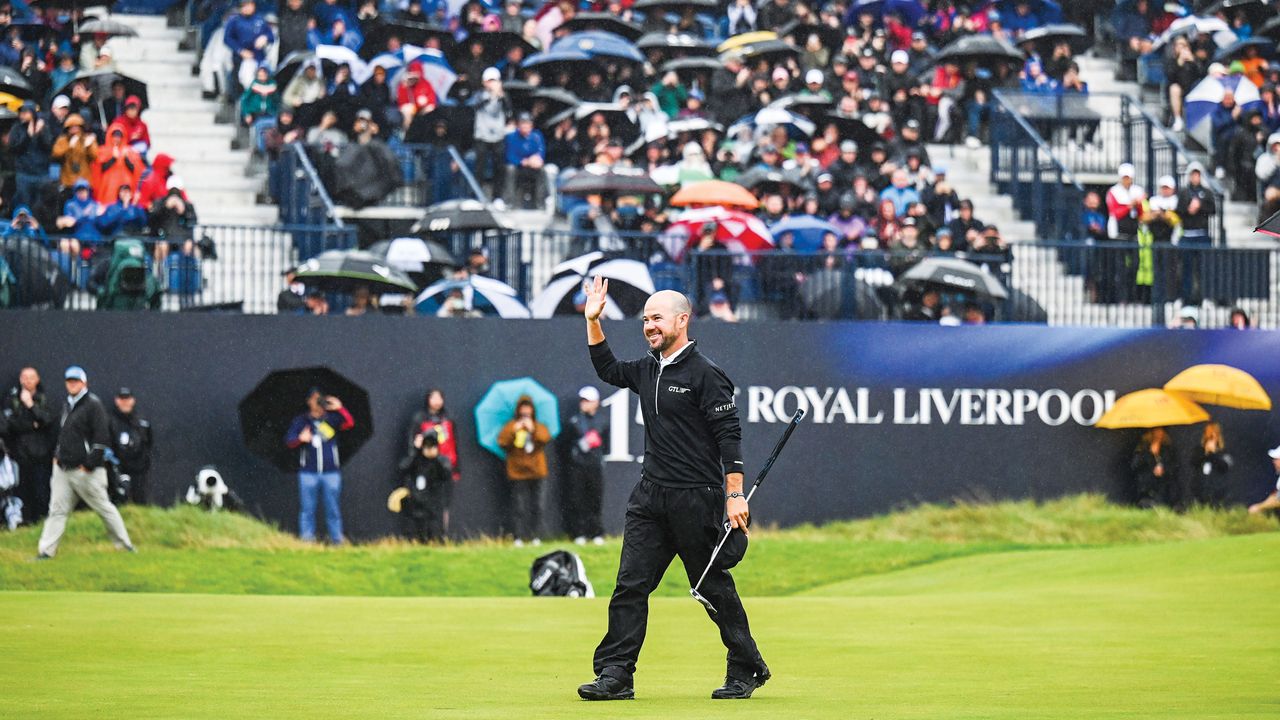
column 315, row 435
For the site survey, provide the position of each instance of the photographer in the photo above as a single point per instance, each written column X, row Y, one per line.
column 315, row 435
column 131, row 443
column 524, row 440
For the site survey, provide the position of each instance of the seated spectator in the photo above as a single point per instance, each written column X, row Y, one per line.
column 24, row 225
column 342, row 89
column 259, row 99
column 906, row 249
column 124, row 216
column 526, row 152
column 95, row 55
column 1267, row 170
column 79, row 220
column 337, row 33
column 136, row 134
column 965, row 227
column 306, row 87
column 76, row 151
column 718, row 308
column 416, row 96
column 992, row 250
column 851, row 225
column 901, row 192
column 64, row 72
column 327, row 135
column 153, row 184
column 173, row 222
column 377, row 95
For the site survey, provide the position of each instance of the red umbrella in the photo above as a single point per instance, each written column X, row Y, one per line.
column 738, row 231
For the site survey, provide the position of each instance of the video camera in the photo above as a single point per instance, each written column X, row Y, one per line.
column 211, row 492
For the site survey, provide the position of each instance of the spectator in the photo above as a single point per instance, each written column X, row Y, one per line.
column 526, row 151
column 493, row 113
column 362, row 302
column 59, row 111
column 173, row 222
column 124, row 216
column 248, row 36
column 292, row 299
column 78, row 470
column 24, row 225
column 33, row 426
column 259, row 98
column 131, row 443
column 523, row 439
column 1267, row 171
column 153, row 185
column 118, row 164
column 95, row 55
column 1094, row 217
column 1210, row 464
column 1196, row 206
column 1182, row 71
column 426, row 476
column 136, row 134
column 377, row 96
column 327, row 135
column 1124, row 206
column 315, row 434
column 416, row 96
column 1239, row 319
column 306, row 87
column 80, row 220
column 1154, row 470
column 901, row 193
column 585, row 436
column 671, row 94
column 76, row 151
column 295, row 20
column 30, row 143
column 1271, row 501
column 316, row 303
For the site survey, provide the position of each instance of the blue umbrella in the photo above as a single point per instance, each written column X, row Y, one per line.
column 909, row 10
column 553, row 57
column 498, row 406
column 806, row 231
column 1206, row 96
column 479, row 294
column 597, row 43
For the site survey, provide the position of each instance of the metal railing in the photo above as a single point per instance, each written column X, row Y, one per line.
column 1024, row 167
column 231, row 268
column 300, row 193
column 1091, row 135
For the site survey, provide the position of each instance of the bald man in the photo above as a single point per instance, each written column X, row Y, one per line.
column 692, row 480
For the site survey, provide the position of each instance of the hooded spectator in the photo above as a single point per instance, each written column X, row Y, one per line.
column 124, row 216
column 75, row 151
column 118, row 164
column 136, row 134
column 30, row 142
column 259, row 99
column 306, row 87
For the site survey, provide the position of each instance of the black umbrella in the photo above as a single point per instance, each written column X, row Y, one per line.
column 14, row 83
column 458, row 121
column 1266, row 47
column 953, row 274
column 603, row 21
column 763, row 50
column 267, row 412
column 832, row 37
column 294, row 63
column 1272, row 28
column 621, row 181
column 674, row 45
column 108, row 27
column 345, row 270
column 814, row 107
column 40, row 281
column 759, row 178
column 496, row 43
column 32, row 31
column 101, row 82
column 553, row 99
column 457, row 216
column 985, row 50
column 830, row 294
column 851, row 127
column 1046, row 36
column 676, row 6
column 409, row 32
column 1270, row 226
column 697, row 124
column 692, row 64
column 615, row 116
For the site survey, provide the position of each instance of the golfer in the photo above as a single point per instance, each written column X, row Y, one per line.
column 692, row 477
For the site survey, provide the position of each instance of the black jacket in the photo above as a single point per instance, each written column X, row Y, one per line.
column 85, row 434
column 577, row 429
column 131, row 441
column 691, row 433
column 31, row 429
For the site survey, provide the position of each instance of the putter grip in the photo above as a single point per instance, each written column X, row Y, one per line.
column 777, row 450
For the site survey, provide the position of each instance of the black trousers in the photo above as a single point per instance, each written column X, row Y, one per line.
column 33, row 489
column 661, row 524
column 526, row 508
column 585, row 496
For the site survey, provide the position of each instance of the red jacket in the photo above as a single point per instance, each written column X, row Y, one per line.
column 153, row 184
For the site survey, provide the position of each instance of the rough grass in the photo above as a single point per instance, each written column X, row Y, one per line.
column 187, row 551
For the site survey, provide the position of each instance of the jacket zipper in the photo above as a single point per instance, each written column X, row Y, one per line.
column 657, row 384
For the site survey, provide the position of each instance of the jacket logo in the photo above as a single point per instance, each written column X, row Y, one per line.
column 677, row 389
column 726, row 407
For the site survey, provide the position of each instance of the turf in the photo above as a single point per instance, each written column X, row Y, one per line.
column 1157, row 630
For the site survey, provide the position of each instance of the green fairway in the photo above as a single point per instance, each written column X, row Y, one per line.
column 1166, row 630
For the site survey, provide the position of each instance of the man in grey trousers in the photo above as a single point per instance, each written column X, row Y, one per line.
column 78, row 466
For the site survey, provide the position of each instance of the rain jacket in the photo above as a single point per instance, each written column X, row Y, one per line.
column 526, row 454
column 85, row 213
column 240, row 33
column 117, row 218
column 111, row 172
column 77, row 160
column 321, row 455
column 424, row 421
column 153, row 184
column 85, row 435
column 135, row 129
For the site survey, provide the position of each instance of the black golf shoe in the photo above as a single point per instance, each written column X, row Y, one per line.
column 739, row 689
column 606, row 687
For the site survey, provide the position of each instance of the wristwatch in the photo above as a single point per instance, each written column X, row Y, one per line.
column 735, row 494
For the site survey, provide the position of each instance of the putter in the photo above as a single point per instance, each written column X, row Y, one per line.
column 791, row 426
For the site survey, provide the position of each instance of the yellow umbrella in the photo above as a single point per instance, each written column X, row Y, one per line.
column 1220, row 385
column 1152, row 408
column 738, row 41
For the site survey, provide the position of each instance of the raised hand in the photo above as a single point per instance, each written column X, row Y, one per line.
column 597, row 289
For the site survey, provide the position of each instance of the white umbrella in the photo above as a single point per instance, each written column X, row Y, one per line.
column 548, row 300
column 342, row 54
column 478, row 293
column 630, row 285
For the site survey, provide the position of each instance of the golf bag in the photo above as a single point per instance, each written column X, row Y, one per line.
column 560, row 573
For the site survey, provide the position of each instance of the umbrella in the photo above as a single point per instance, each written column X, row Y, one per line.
column 832, row 37
column 681, row 44
column 555, row 99
column 1207, row 95
column 40, row 279
column 434, row 67
column 985, row 50
column 691, row 64
column 1193, row 26
column 345, row 270
column 603, row 21
column 1220, row 385
column 459, row 121
column 294, row 62
column 554, row 60
column 14, row 83
column 1152, row 408
column 806, row 231
column 614, row 114
column 498, row 406
column 267, row 411
column 1272, row 28
column 409, row 32
column 852, row 127
column 335, row 55
column 481, row 294
column 825, row 294
column 496, row 44
column 814, row 107
column 599, row 44
column 954, row 274
column 738, row 231
column 738, row 41
column 764, row 49
column 1266, row 47
column 675, row 127
column 715, row 192
column 707, row 6
column 630, row 286
column 108, row 27
column 424, row 261
column 1270, row 226
column 1052, row 34
column 102, row 80
column 623, row 181
column 758, row 178
column 458, row 216
column 772, row 117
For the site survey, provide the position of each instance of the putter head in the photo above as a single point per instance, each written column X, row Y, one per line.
column 705, row 602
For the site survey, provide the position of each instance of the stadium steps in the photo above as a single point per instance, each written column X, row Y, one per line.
column 183, row 126
column 969, row 172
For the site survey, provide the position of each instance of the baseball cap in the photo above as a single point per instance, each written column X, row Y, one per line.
column 913, row 124
column 27, row 106
column 124, row 392
column 132, row 100
column 918, row 35
column 825, row 177
column 61, row 101
column 22, row 210
column 1125, row 170
column 1274, row 452
column 868, row 52
column 812, row 77
column 81, row 184
column 491, row 73
column 939, row 169
column 522, row 117
column 1194, row 166
column 908, row 221
column 780, row 74
column 899, row 56
column 848, row 146
column 75, row 372
column 588, row 392
column 1168, row 181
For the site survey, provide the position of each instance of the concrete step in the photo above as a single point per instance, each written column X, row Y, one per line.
column 165, row 116
column 208, row 131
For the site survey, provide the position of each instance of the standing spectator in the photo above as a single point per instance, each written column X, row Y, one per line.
column 1209, row 466
column 131, row 442
column 584, row 487
column 291, row 300
column 30, row 142
column 524, row 439
column 294, row 22
column 1196, row 207
column 315, row 435
column 433, row 419
column 426, row 476
column 96, row 54
column 153, row 184
column 118, row 164
column 33, row 426
column 493, row 112
column 526, row 151
column 78, row 470
column 248, row 36
column 1272, row 501
column 136, row 134
column 1154, row 470
column 76, row 151
column 173, row 222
